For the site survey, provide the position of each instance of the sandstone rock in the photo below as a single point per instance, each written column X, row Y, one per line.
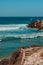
column 32, row 55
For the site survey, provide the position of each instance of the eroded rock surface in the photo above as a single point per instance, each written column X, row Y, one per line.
column 32, row 55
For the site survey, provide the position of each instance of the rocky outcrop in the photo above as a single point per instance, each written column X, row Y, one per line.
column 4, row 62
column 15, row 59
column 36, row 24
column 32, row 55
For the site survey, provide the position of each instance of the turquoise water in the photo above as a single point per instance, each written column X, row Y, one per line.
column 15, row 35
column 8, row 47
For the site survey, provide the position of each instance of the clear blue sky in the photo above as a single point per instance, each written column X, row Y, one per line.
column 21, row 7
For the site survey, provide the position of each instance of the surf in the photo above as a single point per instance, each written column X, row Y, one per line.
column 21, row 36
column 11, row 27
column 18, row 31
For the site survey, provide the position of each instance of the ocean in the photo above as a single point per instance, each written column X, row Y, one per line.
column 14, row 34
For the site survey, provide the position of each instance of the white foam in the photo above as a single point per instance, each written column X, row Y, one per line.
column 8, row 28
column 21, row 36
column 33, row 35
column 19, row 27
column 11, row 27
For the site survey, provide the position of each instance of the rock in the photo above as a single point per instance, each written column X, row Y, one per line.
column 36, row 24
column 14, row 57
column 32, row 55
column 4, row 62
column 41, row 26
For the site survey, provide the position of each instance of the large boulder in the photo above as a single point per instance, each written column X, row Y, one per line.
column 36, row 24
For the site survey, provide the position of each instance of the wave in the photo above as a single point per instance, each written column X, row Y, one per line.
column 21, row 36
column 11, row 27
column 20, row 31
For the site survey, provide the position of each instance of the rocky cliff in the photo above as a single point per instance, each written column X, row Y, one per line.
column 32, row 55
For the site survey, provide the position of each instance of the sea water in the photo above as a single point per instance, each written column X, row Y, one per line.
column 14, row 34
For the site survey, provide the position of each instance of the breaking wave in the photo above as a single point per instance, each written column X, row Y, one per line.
column 11, row 27
column 22, row 32
column 22, row 36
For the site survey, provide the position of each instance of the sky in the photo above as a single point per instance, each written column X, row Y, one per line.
column 21, row 8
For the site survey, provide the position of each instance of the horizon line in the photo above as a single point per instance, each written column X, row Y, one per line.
column 21, row 16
